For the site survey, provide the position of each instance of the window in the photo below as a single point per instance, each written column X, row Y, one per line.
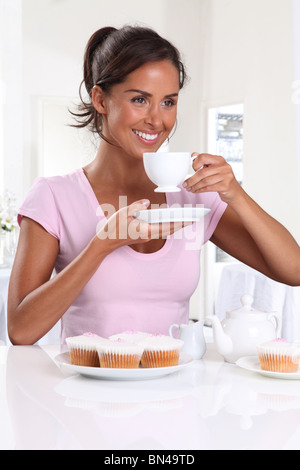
column 225, row 135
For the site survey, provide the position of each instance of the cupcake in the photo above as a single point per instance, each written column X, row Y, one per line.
column 83, row 351
column 160, row 351
column 279, row 356
column 130, row 336
column 119, row 354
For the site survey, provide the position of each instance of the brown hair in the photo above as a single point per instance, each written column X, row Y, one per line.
column 111, row 54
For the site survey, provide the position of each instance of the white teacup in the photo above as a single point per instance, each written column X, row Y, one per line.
column 167, row 169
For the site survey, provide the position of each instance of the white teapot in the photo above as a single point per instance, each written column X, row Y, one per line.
column 193, row 336
column 243, row 329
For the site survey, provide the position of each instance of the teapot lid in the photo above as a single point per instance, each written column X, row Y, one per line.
column 247, row 301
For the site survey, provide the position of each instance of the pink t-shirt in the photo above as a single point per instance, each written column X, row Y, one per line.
column 129, row 290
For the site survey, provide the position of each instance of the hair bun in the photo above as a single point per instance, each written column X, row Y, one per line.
column 92, row 46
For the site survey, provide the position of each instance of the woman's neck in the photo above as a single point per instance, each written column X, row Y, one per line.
column 112, row 166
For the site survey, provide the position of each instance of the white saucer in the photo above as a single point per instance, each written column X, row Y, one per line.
column 252, row 364
column 167, row 189
column 63, row 360
column 175, row 214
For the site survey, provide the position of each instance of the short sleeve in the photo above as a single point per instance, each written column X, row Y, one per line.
column 217, row 208
column 40, row 205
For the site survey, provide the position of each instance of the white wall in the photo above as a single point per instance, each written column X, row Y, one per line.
column 11, row 102
column 249, row 59
column 54, row 38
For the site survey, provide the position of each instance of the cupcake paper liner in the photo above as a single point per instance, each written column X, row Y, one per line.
column 278, row 363
column 160, row 351
column 119, row 361
column 279, row 356
column 160, row 358
column 83, row 350
column 119, row 354
column 84, row 357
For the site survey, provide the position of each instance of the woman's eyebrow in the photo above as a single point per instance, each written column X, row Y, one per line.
column 145, row 93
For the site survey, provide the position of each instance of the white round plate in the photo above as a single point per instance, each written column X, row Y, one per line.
column 169, row 214
column 252, row 363
column 63, row 360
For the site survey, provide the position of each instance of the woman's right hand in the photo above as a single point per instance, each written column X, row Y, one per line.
column 122, row 228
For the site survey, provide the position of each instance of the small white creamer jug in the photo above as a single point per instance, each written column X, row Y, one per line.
column 193, row 337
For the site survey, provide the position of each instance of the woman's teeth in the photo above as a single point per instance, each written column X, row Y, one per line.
column 145, row 136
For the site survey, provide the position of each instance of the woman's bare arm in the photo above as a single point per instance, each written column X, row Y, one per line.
column 245, row 230
column 265, row 246
column 35, row 300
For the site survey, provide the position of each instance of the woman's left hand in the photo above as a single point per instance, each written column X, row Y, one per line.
column 213, row 173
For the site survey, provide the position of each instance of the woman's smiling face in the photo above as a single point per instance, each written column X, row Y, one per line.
column 139, row 113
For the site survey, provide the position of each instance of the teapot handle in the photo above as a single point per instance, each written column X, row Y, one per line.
column 277, row 322
column 171, row 328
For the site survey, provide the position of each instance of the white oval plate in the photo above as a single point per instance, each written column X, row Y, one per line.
column 169, row 214
column 63, row 360
column 252, row 363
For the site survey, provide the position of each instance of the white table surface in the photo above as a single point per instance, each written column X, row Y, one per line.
column 208, row 405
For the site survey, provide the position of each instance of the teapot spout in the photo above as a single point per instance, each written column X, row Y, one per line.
column 222, row 341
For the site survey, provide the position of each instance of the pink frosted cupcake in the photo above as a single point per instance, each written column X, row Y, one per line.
column 83, row 350
column 160, row 351
column 119, row 354
column 130, row 336
column 279, row 356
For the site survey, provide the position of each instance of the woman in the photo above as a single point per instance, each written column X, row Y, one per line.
column 104, row 282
